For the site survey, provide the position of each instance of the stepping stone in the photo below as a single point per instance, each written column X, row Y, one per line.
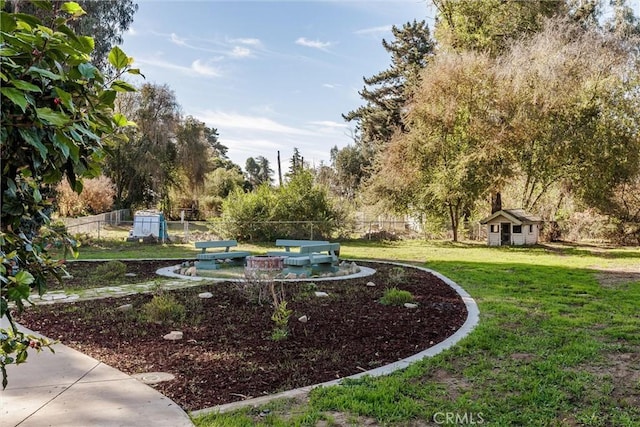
column 154, row 377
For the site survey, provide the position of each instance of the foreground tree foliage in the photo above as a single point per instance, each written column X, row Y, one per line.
column 56, row 107
column 104, row 20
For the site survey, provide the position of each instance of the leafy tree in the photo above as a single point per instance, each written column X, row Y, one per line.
column 258, row 171
column 350, row 164
column 104, row 21
column 268, row 213
column 56, row 106
column 296, row 163
column 195, row 152
column 569, row 98
column 144, row 167
column 490, row 25
column 444, row 163
column 386, row 93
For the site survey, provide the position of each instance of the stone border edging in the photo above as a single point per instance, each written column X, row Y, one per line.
column 473, row 318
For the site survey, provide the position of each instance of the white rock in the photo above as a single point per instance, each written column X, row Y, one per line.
column 410, row 305
column 173, row 336
column 191, row 271
column 291, row 276
column 205, row 295
column 371, row 284
column 130, row 275
column 303, row 319
column 125, row 307
column 322, row 294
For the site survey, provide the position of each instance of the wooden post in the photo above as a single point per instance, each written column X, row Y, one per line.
column 279, row 170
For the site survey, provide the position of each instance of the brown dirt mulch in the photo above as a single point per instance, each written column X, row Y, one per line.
column 227, row 353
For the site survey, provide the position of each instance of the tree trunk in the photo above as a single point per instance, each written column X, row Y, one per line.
column 496, row 202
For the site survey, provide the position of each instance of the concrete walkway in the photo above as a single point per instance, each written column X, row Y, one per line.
column 71, row 389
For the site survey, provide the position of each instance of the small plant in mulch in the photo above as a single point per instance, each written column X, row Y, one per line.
column 164, row 309
column 395, row 296
column 397, row 275
column 112, row 270
column 280, row 317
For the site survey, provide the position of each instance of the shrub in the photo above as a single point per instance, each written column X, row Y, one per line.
column 395, row 296
column 98, row 194
column 96, row 197
column 111, row 270
column 164, row 308
column 69, row 202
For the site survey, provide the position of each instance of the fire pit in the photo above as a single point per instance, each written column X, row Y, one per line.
column 265, row 263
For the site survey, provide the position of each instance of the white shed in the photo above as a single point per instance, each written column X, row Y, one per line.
column 149, row 223
column 512, row 227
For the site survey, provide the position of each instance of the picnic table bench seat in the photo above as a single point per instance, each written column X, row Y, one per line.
column 288, row 244
column 313, row 259
column 212, row 260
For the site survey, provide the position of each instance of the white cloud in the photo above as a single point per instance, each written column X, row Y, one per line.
column 330, row 85
column 197, row 68
column 374, row 31
column 204, row 69
column 240, row 52
column 247, row 41
column 219, row 119
column 330, row 124
column 316, row 44
column 178, row 40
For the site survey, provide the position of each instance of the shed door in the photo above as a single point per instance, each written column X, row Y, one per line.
column 505, row 233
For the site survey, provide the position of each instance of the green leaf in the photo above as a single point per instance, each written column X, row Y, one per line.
column 122, row 86
column 87, row 70
column 135, row 71
column 118, row 58
column 16, row 96
column 22, row 85
column 37, row 197
column 21, row 357
column 108, row 97
column 65, row 98
column 73, row 8
column 30, row 136
column 7, row 22
column 42, row 4
column 86, row 44
column 44, row 73
column 52, row 117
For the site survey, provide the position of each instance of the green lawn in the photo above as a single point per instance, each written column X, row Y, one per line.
column 558, row 342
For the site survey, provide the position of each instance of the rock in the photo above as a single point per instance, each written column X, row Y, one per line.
column 291, row 276
column 130, row 275
column 371, row 284
column 410, row 305
column 191, row 271
column 183, row 271
column 125, row 307
column 322, row 294
column 205, row 295
column 303, row 319
column 67, row 277
column 173, row 336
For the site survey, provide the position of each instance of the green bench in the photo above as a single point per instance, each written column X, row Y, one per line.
column 288, row 244
column 313, row 259
column 212, row 260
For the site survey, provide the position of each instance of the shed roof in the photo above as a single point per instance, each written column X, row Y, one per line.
column 516, row 216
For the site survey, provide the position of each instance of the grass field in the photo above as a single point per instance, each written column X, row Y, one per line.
column 558, row 342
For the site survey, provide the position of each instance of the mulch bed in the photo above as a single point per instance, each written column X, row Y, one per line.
column 227, row 353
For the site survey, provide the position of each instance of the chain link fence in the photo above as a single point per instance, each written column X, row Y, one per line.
column 114, row 226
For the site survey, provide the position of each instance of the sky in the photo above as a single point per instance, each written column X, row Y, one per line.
column 268, row 75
